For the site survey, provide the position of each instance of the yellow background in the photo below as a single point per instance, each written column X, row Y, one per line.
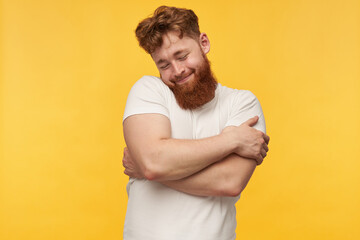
column 66, row 70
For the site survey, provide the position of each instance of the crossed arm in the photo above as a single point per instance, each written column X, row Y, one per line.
column 215, row 166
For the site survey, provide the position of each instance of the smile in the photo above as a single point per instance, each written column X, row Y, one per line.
column 184, row 80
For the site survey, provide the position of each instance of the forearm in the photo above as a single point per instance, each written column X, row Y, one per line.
column 165, row 158
column 161, row 158
column 224, row 178
column 173, row 159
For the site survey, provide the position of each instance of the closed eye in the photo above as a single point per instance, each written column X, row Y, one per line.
column 183, row 57
column 165, row 66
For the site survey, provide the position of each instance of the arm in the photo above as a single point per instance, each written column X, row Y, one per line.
column 161, row 158
column 228, row 177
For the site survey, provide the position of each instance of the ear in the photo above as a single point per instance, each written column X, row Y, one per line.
column 204, row 43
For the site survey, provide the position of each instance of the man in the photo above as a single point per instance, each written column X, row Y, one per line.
column 192, row 144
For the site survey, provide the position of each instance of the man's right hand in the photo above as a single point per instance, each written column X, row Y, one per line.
column 131, row 167
column 251, row 143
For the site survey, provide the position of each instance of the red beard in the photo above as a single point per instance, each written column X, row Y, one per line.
column 199, row 90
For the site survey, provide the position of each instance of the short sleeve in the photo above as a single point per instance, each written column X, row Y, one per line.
column 245, row 105
column 148, row 95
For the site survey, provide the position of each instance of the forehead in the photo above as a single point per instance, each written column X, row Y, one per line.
column 172, row 44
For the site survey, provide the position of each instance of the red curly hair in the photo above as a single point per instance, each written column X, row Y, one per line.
column 150, row 31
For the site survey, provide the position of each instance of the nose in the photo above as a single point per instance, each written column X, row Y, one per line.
column 179, row 69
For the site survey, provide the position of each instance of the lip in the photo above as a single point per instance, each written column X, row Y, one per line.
column 184, row 80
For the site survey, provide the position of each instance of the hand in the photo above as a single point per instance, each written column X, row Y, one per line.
column 131, row 168
column 251, row 143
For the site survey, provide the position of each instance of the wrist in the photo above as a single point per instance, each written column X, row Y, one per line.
column 230, row 139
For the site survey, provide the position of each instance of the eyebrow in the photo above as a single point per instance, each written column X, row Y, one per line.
column 177, row 53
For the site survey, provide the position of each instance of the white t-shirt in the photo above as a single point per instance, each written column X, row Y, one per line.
column 156, row 212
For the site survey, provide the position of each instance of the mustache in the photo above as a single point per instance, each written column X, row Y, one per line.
column 182, row 76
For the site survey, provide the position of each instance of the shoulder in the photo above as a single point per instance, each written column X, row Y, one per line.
column 242, row 105
column 235, row 96
column 148, row 95
column 147, row 79
column 149, row 87
column 149, row 82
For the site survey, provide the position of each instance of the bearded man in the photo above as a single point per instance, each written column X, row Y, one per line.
column 192, row 144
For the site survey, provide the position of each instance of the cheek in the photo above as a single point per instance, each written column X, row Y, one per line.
column 194, row 63
column 166, row 77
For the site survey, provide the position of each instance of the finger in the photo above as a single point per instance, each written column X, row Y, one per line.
column 259, row 160
column 252, row 121
column 129, row 174
column 263, row 153
column 265, row 147
column 266, row 138
column 126, row 163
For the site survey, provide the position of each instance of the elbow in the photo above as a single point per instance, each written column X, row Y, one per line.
column 237, row 182
column 151, row 170
column 154, row 168
column 150, row 174
column 156, row 173
column 233, row 190
column 148, row 170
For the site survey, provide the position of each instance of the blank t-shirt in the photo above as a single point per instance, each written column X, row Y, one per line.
column 156, row 212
